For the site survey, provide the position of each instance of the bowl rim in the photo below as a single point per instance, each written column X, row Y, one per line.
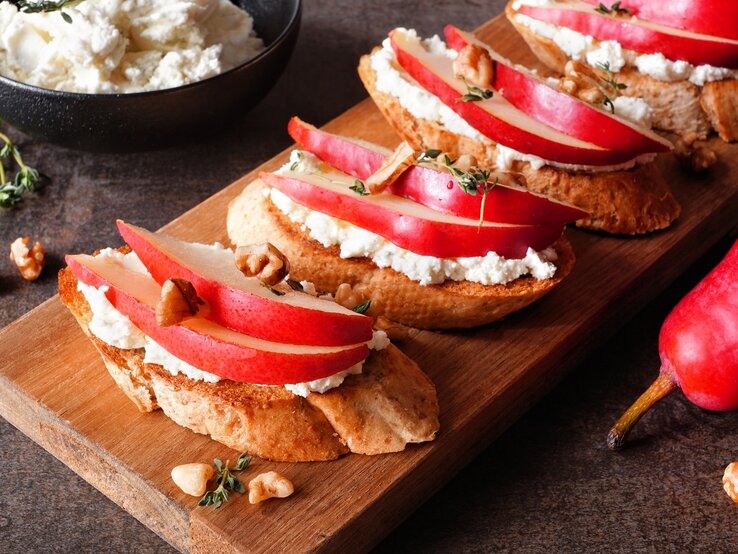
column 294, row 20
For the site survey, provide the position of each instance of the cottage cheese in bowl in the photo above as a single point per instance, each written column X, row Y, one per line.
column 124, row 46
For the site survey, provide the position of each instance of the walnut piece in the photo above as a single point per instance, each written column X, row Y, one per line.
column 348, row 297
column 475, row 65
column 192, row 478
column 393, row 166
column 730, row 481
column 30, row 262
column 581, row 81
column 179, row 301
column 269, row 485
column 465, row 162
column 264, row 261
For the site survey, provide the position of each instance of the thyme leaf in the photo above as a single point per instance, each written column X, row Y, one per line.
column 615, row 9
column 474, row 94
column 359, row 188
column 272, row 289
column 295, row 285
column 226, row 481
column 363, row 307
column 26, row 6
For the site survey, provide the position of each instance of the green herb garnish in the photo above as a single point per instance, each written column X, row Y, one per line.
column 272, row 289
column 226, row 481
column 474, row 94
column 611, row 88
column 359, row 188
column 615, row 9
column 26, row 6
column 26, row 179
column 295, row 164
column 472, row 182
column 295, row 285
column 363, row 307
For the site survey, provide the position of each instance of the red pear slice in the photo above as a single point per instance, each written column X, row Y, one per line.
column 496, row 117
column 242, row 303
column 708, row 17
column 206, row 345
column 534, row 96
column 431, row 187
column 408, row 224
column 642, row 36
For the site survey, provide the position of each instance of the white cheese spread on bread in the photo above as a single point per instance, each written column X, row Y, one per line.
column 115, row 329
column 121, row 46
column 392, row 80
column 585, row 48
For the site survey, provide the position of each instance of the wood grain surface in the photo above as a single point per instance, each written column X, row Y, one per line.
column 62, row 397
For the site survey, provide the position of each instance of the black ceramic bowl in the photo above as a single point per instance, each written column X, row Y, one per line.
column 146, row 120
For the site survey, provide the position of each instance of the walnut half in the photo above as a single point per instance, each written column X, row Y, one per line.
column 31, row 261
column 475, row 65
column 179, row 301
column 269, row 485
column 264, row 261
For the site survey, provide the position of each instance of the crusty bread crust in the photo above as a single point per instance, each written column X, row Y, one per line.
column 390, row 404
column 719, row 99
column 252, row 218
column 680, row 107
column 619, row 202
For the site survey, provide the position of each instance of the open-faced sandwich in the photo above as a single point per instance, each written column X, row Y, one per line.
column 431, row 241
column 467, row 99
column 681, row 57
column 226, row 347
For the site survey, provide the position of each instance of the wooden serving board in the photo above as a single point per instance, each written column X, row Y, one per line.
column 54, row 387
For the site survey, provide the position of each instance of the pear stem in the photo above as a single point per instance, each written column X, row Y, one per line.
column 661, row 387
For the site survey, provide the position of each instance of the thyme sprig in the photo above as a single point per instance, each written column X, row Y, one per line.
column 26, row 179
column 611, row 87
column 27, row 6
column 615, row 9
column 474, row 181
column 226, row 481
column 474, row 94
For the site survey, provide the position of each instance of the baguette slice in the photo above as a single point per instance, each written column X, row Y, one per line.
column 679, row 107
column 390, row 404
column 620, row 202
column 253, row 218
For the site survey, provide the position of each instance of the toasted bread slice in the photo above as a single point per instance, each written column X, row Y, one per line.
column 390, row 404
column 253, row 218
column 679, row 107
column 621, row 202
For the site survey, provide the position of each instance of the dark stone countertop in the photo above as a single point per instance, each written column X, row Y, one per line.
column 548, row 484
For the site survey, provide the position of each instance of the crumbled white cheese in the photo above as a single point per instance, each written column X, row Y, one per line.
column 424, row 105
column 323, row 385
column 108, row 324
column 355, row 242
column 585, row 48
column 379, row 341
column 120, row 46
column 155, row 354
column 115, row 329
column 634, row 109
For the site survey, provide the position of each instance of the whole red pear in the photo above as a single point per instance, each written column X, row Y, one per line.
column 698, row 346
